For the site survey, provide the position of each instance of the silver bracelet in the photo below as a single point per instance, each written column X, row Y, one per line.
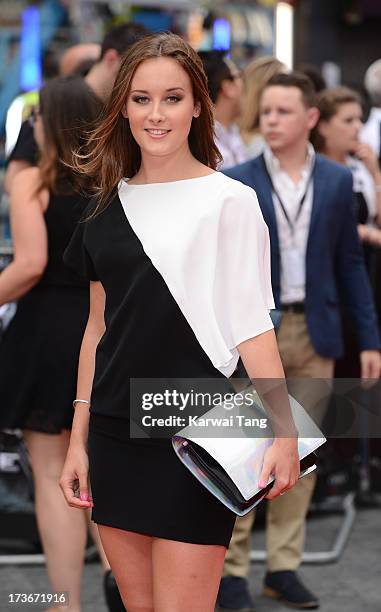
column 80, row 401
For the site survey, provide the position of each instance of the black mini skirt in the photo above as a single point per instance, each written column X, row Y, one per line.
column 142, row 486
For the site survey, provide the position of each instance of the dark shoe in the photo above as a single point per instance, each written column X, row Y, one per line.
column 287, row 587
column 233, row 595
column 112, row 595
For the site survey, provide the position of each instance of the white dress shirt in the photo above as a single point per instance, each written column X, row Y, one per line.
column 292, row 245
column 230, row 144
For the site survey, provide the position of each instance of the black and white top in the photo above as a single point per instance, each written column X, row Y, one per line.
column 185, row 266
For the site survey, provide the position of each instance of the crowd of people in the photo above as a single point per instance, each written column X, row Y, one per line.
column 173, row 146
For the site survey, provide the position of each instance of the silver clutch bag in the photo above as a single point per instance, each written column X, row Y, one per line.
column 230, row 466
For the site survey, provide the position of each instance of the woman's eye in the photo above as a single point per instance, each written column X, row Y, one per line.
column 173, row 98
column 140, row 99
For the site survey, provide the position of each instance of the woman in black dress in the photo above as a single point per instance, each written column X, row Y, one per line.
column 178, row 259
column 40, row 349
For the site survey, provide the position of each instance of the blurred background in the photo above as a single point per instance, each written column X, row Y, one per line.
column 33, row 34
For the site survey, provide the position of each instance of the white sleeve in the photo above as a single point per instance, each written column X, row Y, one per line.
column 242, row 293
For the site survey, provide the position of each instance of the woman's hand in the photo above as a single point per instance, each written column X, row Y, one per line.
column 74, row 478
column 368, row 157
column 371, row 235
column 282, row 461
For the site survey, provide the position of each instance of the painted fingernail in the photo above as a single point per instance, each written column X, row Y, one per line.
column 84, row 497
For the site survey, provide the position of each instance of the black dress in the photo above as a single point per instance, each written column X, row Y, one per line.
column 186, row 271
column 25, row 148
column 40, row 349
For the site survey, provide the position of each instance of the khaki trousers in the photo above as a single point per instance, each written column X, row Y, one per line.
column 285, row 522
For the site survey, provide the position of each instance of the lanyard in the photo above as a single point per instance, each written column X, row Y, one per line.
column 291, row 223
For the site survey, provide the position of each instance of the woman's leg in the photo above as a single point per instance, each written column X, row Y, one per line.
column 110, row 588
column 163, row 575
column 94, row 533
column 63, row 530
column 130, row 557
column 186, row 576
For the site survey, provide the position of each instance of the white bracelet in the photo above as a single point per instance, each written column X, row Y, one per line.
column 80, row 401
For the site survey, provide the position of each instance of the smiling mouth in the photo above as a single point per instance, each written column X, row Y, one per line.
column 153, row 132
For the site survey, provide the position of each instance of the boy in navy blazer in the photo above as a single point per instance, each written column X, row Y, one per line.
column 307, row 203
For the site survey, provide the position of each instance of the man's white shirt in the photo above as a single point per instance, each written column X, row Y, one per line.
column 230, row 144
column 292, row 246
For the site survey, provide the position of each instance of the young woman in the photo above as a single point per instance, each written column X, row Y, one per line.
column 39, row 350
column 178, row 262
column 337, row 135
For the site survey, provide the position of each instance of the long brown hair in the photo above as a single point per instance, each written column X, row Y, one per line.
column 112, row 152
column 68, row 110
column 329, row 102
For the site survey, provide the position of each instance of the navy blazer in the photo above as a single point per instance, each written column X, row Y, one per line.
column 334, row 258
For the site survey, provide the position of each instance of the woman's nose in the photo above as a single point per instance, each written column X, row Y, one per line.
column 156, row 113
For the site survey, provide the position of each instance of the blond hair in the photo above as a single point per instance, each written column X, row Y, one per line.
column 256, row 76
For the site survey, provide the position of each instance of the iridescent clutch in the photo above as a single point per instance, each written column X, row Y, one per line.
column 230, row 466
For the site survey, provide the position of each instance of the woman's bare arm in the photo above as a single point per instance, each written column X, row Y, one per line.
column 14, row 168
column 76, row 464
column 93, row 333
column 29, row 234
column 261, row 359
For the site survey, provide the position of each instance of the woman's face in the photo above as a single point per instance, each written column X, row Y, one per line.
column 160, row 107
column 341, row 132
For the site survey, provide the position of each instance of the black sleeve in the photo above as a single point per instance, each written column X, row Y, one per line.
column 76, row 255
column 25, row 148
